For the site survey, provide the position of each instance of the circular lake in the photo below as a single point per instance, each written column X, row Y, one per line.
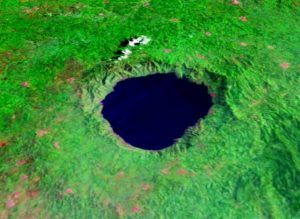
column 152, row 111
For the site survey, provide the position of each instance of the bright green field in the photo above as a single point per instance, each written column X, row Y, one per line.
column 59, row 157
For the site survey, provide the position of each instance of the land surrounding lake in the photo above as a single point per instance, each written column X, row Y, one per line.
column 59, row 156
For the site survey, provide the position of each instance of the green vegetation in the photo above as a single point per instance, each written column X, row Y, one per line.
column 60, row 159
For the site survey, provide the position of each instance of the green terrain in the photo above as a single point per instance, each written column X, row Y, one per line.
column 60, row 159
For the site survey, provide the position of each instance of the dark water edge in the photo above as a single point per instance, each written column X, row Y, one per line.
column 151, row 112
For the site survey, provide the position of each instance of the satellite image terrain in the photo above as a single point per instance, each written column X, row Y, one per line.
column 149, row 109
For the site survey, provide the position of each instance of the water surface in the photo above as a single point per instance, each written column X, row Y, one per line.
column 151, row 112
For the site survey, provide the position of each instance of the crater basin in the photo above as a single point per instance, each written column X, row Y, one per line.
column 153, row 111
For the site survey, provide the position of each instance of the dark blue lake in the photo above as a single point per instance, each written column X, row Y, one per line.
column 151, row 112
